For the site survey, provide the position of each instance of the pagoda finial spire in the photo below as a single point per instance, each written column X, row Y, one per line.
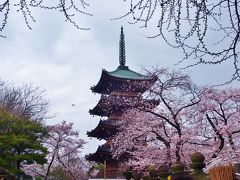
column 122, row 57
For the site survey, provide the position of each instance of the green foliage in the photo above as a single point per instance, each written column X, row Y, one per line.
column 98, row 166
column 128, row 175
column 39, row 178
column 197, row 157
column 150, row 167
column 20, row 142
column 197, row 165
column 163, row 171
column 137, row 175
column 5, row 173
column 154, row 173
column 197, row 161
column 178, row 168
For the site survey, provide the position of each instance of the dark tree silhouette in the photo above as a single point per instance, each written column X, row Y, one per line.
column 69, row 9
column 206, row 30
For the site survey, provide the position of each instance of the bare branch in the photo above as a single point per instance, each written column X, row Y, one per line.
column 208, row 32
column 71, row 9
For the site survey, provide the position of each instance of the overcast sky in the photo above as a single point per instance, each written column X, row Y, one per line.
column 67, row 62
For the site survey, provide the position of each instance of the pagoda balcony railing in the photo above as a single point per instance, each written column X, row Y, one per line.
column 118, row 100
column 110, row 122
column 105, row 148
column 110, row 104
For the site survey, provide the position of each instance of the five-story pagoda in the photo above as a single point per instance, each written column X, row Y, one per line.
column 117, row 88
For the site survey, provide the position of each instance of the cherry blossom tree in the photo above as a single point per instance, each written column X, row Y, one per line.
column 187, row 119
column 142, row 140
column 64, row 147
column 164, row 130
column 218, row 117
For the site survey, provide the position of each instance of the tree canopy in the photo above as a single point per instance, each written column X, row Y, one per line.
column 187, row 119
column 20, row 142
column 64, row 154
column 26, row 102
column 27, row 145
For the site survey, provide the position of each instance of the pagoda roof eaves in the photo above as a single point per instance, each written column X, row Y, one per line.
column 124, row 72
column 121, row 74
column 104, row 129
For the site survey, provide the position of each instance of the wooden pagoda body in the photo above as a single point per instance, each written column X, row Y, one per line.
column 120, row 90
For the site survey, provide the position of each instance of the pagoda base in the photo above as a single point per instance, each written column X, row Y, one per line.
column 112, row 172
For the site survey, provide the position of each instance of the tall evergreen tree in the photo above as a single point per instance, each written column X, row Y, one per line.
column 20, row 142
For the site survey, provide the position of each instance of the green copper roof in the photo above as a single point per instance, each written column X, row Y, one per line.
column 126, row 73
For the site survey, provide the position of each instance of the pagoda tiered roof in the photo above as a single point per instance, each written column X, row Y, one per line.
column 102, row 154
column 121, row 89
column 116, row 103
column 105, row 129
column 122, row 80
